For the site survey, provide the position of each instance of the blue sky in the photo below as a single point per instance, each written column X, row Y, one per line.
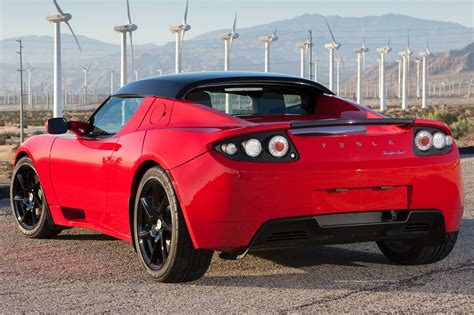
column 96, row 18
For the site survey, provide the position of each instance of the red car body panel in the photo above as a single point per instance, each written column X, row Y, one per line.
column 90, row 183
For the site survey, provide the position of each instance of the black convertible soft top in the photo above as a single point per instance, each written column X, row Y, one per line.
column 178, row 85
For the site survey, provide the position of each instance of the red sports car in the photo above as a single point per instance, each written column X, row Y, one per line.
column 184, row 165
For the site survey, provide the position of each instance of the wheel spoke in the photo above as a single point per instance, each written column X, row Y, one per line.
column 18, row 198
column 165, row 225
column 147, row 203
column 144, row 234
column 164, row 250
column 155, row 251
column 33, row 216
column 21, row 181
column 162, row 206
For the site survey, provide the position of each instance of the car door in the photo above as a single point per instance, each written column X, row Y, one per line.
column 79, row 166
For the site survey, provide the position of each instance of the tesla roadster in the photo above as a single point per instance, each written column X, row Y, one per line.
column 184, row 165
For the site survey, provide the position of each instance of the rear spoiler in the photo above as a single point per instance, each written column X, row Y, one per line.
column 342, row 122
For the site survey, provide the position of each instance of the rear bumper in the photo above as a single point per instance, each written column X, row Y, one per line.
column 225, row 203
column 426, row 227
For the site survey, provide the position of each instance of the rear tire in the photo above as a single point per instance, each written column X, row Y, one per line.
column 404, row 253
column 28, row 202
column 160, row 233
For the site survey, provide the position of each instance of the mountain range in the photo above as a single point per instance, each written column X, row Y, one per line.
column 205, row 51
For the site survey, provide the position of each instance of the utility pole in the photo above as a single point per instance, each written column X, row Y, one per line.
column 20, row 53
column 311, row 61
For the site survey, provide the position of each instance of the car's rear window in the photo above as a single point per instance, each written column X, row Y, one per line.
column 255, row 100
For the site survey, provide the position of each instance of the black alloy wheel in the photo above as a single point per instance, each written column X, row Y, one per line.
column 29, row 204
column 154, row 224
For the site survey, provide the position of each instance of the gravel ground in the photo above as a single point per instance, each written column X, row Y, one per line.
column 82, row 271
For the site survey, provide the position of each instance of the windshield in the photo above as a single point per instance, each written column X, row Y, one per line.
column 255, row 100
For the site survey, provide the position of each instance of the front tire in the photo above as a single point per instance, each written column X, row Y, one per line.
column 160, row 233
column 409, row 253
column 28, row 202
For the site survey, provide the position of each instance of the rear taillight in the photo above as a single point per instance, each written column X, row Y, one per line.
column 278, row 146
column 430, row 141
column 262, row 147
column 423, row 140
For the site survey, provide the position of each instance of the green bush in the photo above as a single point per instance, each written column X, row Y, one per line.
column 458, row 119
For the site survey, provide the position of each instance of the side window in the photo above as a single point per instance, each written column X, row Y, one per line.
column 113, row 115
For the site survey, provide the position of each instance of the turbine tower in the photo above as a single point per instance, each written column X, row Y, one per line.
column 424, row 55
column 360, row 52
column 29, row 70
column 268, row 40
column 339, row 61
column 85, row 69
column 228, row 40
column 316, row 67
column 123, row 30
column 331, row 46
column 56, row 19
column 405, row 55
column 180, row 30
column 417, row 62
column 303, row 47
column 112, row 79
column 383, row 51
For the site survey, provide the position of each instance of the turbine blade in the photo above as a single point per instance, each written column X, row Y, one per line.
column 74, row 35
column 186, row 13
column 427, row 45
column 128, row 13
column 235, row 23
column 131, row 49
column 58, row 7
column 330, row 31
column 388, row 43
column 363, row 36
column 340, row 59
column 275, row 31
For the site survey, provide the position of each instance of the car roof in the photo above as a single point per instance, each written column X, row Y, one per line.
column 178, row 85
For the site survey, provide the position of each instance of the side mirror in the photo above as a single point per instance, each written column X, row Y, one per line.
column 57, row 126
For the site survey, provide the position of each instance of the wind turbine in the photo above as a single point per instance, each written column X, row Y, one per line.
column 180, row 30
column 268, row 40
column 85, row 69
column 303, row 47
column 405, row 55
column 424, row 55
column 112, row 79
column 56, row 19
column 228, row 40
column 360, row 52
column 331, row 46
column 123, row 30
column 383, row 51
column 29, row 70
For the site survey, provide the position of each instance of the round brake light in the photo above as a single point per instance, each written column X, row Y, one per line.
column 439, row 140
column 252, row 147
column 423, row 140
column 278, row 146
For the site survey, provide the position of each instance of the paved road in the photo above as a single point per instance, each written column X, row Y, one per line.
column 82, row 271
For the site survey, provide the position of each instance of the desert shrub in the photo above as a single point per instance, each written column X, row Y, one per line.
column 463, row 126
column 458, row 119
